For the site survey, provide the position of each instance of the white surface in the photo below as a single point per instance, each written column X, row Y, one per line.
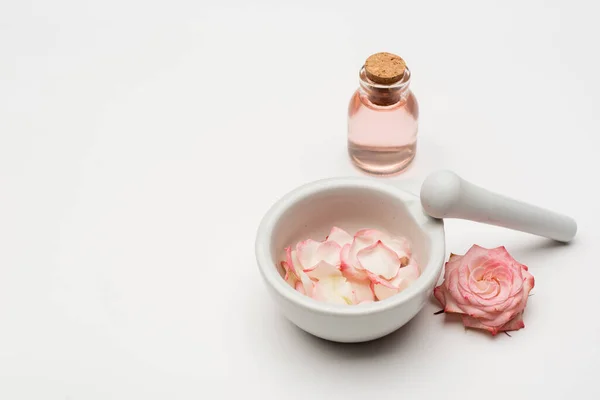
column 310, row 211
column 445, row 195
column 141, row 143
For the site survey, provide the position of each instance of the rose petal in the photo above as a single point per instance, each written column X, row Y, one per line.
column 512, row 303
column 493, row 326
column 310, row 253
column 439, row 293
column 446, row 300
column 471, row 322
column 451, row 284
column 445, row 291
column 464, row 275
column 334, row 290
column 323, row 270
column 348, row 263
column 344, row 256
column 520, row 300
column 401, row 248
column 357, row 245
column 378, row 280
column 292, row 259
column 514, row 324
column 339, row 236
column 329, row 252
column 362, row 290
column 405, row 277
column 290, row 275
column 399, row 245
column 499, row 319
column 479, row 313
column 306, row 252
column 300, row 287
column 383, row 292
column 476, row 256
column 288, row 266
column 379, row 260
column 306, row 282
column 454, row 257
column 502, row 255
column 371, row 234
column 451, row 264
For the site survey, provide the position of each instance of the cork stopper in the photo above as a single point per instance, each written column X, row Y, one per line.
column 385, row 68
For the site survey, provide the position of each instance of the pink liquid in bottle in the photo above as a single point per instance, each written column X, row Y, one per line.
column 383, row 126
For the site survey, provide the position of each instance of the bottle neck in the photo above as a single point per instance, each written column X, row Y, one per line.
column 385, row 95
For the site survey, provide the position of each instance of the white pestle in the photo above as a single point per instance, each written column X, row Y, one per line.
column 444, row 194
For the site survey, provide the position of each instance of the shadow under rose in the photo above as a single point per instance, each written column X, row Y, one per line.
column 391, row 343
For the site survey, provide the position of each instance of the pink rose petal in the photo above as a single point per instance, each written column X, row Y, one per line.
column 300, row 287
column 410, row 273
column 334, row 290
column 306, row 252
column 445, row 298
column 348, row 264
column 357, row 245
column 367, row 237
column 401, row 248
column 344, row 256
column 405, row 277
column 475, row 323
column 454, row 257
column 439, row 292
column 291, row 267
column 399, row 245
column 339, row 236
column 329, row 252
column 502, row 255
column 323, row 270
column 476, row 256
column 514, row 324
column 292, row 259
column 362, row 290
column 310, row 253
column 383, row 292
column 451, row 264
column 379, row 260
column 290, row 275
column 374, row 234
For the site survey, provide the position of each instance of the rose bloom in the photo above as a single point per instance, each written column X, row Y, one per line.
column 487, row 287
column 346, row 269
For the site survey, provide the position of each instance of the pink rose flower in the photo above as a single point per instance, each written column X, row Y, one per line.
column 487, row 287
column 343, row 269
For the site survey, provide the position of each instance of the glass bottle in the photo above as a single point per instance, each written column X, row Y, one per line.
column 383, row 117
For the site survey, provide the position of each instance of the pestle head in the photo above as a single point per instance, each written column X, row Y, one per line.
column 440, row 193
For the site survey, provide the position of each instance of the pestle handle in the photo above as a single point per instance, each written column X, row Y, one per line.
column 444, row 194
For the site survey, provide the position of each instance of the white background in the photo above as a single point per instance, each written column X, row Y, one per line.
column 141, row 142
